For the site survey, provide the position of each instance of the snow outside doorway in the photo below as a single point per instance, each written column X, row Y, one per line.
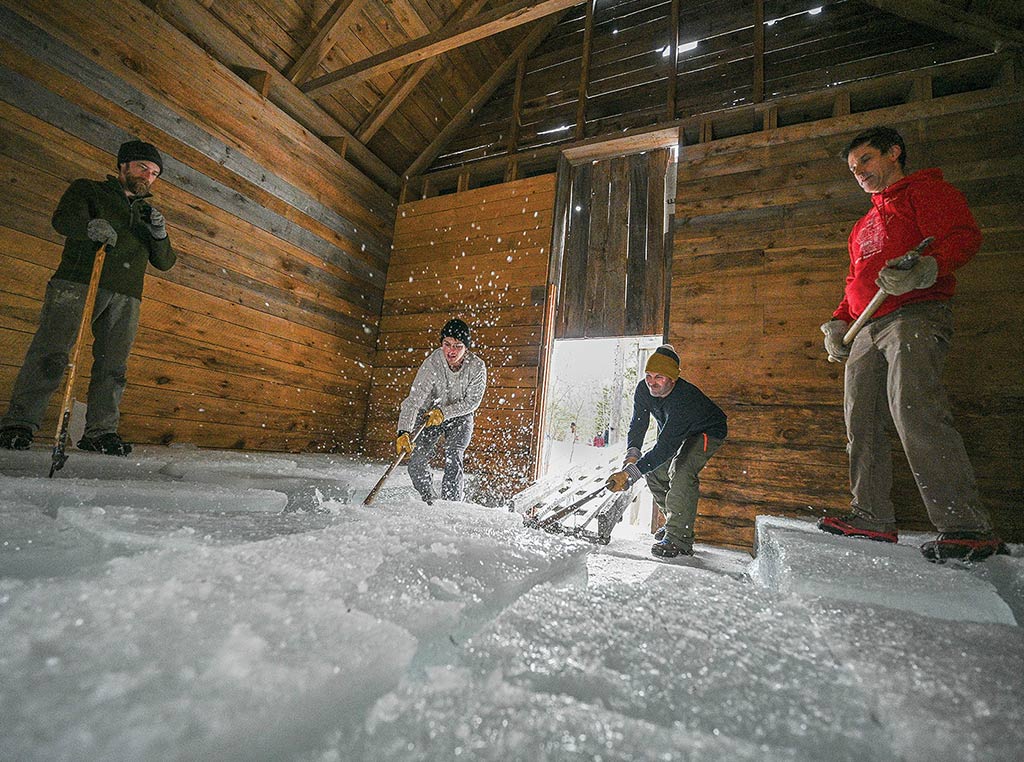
column 589, row 406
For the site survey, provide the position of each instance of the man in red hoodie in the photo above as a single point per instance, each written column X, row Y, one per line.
column 894, row 365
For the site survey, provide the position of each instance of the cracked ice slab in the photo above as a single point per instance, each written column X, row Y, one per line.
column 795, row 557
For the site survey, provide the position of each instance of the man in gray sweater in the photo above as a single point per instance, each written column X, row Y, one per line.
column 446, row 393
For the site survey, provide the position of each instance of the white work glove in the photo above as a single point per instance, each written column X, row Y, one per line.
column 101, row 231
column 834, row 331
column 156, row 223
column 895, row 281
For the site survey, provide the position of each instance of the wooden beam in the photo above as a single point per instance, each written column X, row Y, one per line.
column 517, row 107
column 191, row 18
column 486, row 90
column 964, row 25
column 330, row 28
column 638, row 142
column 758, row 51
column 673, row 58
column 581, row 97
column 258, row 79
column 501, row 19
column 406, row 84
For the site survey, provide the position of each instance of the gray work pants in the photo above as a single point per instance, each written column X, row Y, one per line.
column 457, row 433
column 894, row 373
column 675, row 485
column 115, row 320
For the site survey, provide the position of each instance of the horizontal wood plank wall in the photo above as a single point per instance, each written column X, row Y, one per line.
column 262, row 336
column 759, row 262
column 481, row 255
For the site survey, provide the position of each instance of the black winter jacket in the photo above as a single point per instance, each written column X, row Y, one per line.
column 125, row 266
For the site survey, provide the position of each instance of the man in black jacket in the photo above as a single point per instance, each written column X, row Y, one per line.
column 690, row 429
column 115, row 212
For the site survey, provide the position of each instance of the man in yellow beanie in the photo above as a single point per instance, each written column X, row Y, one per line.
column 690, row 429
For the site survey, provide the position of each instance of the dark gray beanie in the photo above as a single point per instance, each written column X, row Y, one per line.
column 137, row 150
column 458, row 330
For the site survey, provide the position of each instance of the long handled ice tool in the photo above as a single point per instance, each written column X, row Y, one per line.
column 60, row 441
column 905, row 262
column 393, row 466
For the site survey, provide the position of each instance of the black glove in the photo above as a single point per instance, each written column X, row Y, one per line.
column 101, row 231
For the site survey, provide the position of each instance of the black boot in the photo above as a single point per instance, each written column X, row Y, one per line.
column 108, row 444
column 15, row 438
column 963, row 546
column 666, row 548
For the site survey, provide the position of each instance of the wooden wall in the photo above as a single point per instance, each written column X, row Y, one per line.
column 759, row 262
column 263, row 334
column 481, row 255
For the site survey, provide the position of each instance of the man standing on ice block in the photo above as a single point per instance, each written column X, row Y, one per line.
column 894, row 364
column 91, row 213
column 690, row 429
column 446, row 393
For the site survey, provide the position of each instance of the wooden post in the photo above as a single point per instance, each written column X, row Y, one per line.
column 758, row 51
column 841, row 104
column 673, row 59
column 517, row 105
column 707, row 133
column 540, row 412
column 512, row 169
column 463, row 182
column 581, row 103
column 921, row 88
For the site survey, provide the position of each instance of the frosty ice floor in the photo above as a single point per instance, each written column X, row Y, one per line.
column 189, row 605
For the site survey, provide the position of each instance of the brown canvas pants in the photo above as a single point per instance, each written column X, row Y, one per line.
column 894, row 373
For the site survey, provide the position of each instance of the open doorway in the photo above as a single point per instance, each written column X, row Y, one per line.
column 588, row 408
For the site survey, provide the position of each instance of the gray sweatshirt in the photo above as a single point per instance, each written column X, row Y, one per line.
column 456, row 392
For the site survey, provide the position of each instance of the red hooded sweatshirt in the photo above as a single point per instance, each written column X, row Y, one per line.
column 916, row 206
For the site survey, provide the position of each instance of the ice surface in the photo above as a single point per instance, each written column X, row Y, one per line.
column 194, row 605
column 794, row 557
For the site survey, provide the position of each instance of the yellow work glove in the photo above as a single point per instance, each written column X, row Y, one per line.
column 617, row 481
column 435, row 417
column 403, row 445
column 632, row 456
column 623, row 479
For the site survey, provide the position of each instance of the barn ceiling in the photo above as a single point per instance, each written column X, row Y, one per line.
column 388, row 83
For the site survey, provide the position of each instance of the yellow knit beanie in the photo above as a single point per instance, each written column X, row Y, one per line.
column 664, row 361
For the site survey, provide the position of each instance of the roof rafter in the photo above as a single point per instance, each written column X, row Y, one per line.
column 406, row 84
column 194, row 20
column 947, row 19
column 532, row 39
column 331, row 26
column 450, row 37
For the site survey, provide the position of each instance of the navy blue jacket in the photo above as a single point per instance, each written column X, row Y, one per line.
column 686, row 411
